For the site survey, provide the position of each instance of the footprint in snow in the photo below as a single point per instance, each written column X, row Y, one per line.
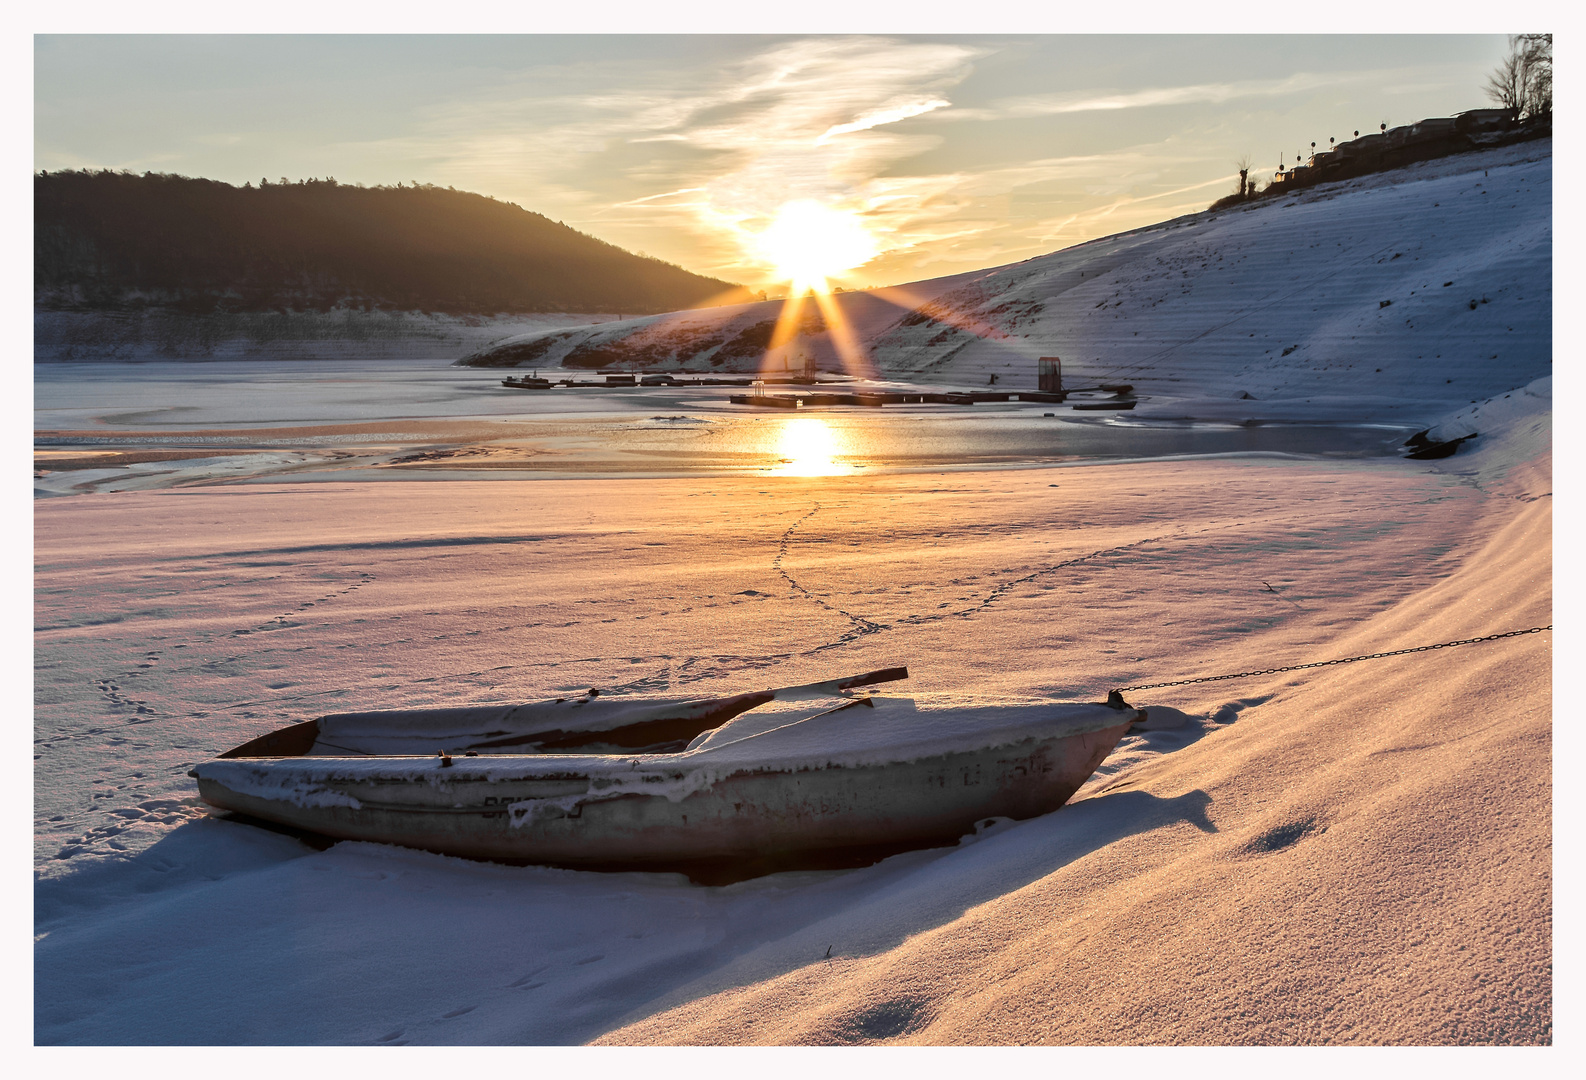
column 390, row 1036
column 455, row 1013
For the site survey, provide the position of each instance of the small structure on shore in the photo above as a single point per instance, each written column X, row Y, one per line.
column 1390, row 148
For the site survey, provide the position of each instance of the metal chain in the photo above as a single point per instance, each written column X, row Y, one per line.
column 1330, row 663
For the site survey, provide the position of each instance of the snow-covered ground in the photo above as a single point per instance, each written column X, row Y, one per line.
column 1357, row 854
column 174, row 624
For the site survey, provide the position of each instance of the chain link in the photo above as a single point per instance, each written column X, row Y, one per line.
column 1330, row 663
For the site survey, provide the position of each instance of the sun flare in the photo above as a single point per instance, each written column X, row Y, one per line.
column 809, row 242
column 808, row 447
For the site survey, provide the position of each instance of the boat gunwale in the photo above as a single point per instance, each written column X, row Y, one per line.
column 361, row 768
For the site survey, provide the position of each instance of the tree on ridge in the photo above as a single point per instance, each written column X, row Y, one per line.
column 1523, row 80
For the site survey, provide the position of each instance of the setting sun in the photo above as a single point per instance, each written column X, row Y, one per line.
column 809, row 242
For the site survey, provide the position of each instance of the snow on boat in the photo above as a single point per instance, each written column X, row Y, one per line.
column 740, row 793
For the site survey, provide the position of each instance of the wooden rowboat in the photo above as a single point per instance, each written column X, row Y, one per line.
column 741, row 793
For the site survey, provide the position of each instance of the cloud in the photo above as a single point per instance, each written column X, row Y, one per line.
column 1196, row 94
column 693, row 162
column 937, row 223
column 795, row 119
column 711, row 158
column 885, row 116
column 662, row 195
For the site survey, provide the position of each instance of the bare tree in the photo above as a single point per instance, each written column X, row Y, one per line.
column 1539, row 87
column 1523, row 80
column 1246, row 189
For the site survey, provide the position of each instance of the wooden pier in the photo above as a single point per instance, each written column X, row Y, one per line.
column 1051, row 392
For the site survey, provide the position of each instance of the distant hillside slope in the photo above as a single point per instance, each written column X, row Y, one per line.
column 114, row 241
column 1413, row 290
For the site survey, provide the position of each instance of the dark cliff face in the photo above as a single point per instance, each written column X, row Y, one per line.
column 116, row 241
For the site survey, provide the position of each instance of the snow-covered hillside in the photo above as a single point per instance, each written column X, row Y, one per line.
column 1403, row 293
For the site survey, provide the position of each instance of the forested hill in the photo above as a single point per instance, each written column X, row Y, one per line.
column 108, row 241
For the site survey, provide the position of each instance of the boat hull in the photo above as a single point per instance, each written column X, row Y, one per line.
column 579, row 812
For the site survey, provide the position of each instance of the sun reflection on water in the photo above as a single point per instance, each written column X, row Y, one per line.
column 809, row 447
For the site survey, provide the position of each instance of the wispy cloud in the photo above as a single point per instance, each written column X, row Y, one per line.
column 936, row 222
column 657, row 198
column 811, row 118
column 1214, row 93
column 890, row 115
column 853, row 122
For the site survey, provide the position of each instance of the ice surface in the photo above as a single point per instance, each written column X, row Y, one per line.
column 319, row 422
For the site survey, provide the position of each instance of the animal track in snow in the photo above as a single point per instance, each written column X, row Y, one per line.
column 280, row 621
column 862, row 625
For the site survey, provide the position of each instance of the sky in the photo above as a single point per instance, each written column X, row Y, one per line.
column 938, row 154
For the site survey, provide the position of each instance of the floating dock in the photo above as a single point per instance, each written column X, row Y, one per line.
column 1122, row 398
column 629, row 382
column 1122, row 393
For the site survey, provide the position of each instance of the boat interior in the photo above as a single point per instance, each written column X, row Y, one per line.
column 587, row 724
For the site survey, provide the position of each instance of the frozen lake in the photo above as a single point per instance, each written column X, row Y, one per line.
column 111, row 427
